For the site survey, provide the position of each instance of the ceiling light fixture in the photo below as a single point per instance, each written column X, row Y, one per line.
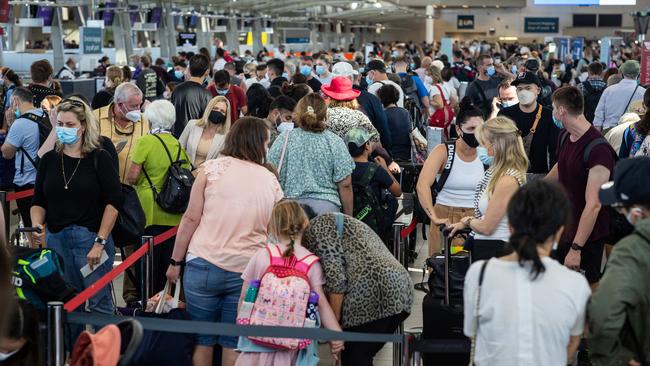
column 354, row 5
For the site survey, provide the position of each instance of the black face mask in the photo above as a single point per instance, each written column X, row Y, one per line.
column 470, row 140
column 217, row 117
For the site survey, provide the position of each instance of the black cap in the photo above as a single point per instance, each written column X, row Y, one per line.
column 532, row 65
column 630, row 184
column 527, row 77
column 376, row 65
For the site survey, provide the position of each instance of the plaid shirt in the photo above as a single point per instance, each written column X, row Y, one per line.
column 597, row 84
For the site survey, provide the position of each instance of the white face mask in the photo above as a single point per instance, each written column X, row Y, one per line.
column 5, row 356
column 285, row 126
column 526, row 97
column 133, row 116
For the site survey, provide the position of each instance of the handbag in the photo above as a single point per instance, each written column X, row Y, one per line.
column 442, row 117
column 129, row 226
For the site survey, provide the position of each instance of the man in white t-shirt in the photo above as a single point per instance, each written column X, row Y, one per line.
column 220, row 63
column 376, row 78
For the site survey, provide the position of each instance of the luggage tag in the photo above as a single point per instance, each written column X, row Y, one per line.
column 85, row 270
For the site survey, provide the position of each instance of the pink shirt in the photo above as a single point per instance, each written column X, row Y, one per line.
column 238, row 200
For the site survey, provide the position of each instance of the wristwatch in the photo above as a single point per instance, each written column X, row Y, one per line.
column 576, row 247
column 100, row 240
column 176, row 263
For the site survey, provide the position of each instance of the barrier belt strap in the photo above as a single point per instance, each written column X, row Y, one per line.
column 211, row 328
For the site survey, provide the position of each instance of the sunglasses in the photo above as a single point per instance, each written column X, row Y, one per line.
column 74, row 102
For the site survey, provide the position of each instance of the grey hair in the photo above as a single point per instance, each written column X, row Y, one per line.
column 126, row 90
column 161, row 114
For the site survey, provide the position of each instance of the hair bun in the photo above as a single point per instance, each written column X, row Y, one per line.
column 310, row 110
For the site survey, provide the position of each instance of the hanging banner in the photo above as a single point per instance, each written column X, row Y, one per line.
column 577, row 46
column 4, row 11
column 91, row 40
column 645, row 64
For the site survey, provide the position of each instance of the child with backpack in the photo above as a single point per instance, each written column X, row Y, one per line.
column 284, row 278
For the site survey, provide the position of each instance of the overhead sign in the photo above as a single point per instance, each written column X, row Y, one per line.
column 465, row 22
column 541, row 25
column 645, row 64
column 91, row 40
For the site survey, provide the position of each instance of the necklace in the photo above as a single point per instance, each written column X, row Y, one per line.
column 67, row 181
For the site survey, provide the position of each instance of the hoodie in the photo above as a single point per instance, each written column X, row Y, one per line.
column 619, row 312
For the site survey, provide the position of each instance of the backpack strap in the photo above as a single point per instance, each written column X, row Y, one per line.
column 367, row 176
column 38, row 120
column 451, row 154
column 304, row 265
column 591, row 146
column 275, row 255
column 587, row 86
column 630, row 100
column 166, row 149
column 442, row 95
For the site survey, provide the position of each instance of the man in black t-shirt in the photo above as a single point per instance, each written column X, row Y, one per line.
column 482, row 90
column 534, row 122
column 190, row 98
column 151, row 86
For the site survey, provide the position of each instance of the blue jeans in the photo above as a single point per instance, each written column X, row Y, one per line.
column 73, row 244
column 212, row 294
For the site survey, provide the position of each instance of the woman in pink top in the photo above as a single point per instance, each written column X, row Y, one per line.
column 224, row 225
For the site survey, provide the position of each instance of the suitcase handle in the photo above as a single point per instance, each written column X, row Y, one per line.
column 28, row 230
column 446, row 242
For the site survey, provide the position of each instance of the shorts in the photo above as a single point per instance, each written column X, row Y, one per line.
column 453, row 214
column 212, row 295
column 591, row 258
column 24, row 204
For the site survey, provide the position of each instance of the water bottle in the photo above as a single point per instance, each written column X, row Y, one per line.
column 246, row 308
column 312, row 310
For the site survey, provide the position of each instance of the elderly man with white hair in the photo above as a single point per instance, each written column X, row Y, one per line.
column 150, row 162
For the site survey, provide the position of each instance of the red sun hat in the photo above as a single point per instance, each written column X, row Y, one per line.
column 340, row 89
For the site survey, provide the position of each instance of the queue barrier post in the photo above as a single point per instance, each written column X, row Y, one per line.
column 398, row 252
column 146, row 275
column 55, row 351
column 7, row 214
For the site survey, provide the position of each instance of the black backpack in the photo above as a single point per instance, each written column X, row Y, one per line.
column 366, row 205
column 175, row 193
column 410, row 89
column 619, row 227
column 44, row 129
column 591, row 97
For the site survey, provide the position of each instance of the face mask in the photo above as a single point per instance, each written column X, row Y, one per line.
column 217, row 117
column 483, row 156
column 133, row 116
column 178, row 74
column 361, row 70
column 285, row 126
column 5, row 356
column 514, row 69
column 412, row 66
column 369, row 80
column 67, row 135
column 222, row 91
column 285, row 75
column 630, row 215
column 563, row 68
column 320, row 70
column 2, row 81
column 558, row 123
column 17, row 113
column 526, row 97
column 491, row 71
column 470, row 139
column 305, row 70
column 508, row 103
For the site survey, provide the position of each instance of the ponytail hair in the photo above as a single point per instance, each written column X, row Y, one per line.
column 311, row 113
column 288, row 221
column 535, row 213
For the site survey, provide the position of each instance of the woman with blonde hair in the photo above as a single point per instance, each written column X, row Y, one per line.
column 438, row 93
column 314, row 165
column 204, row 138
column 104, row 97
column 502, row 149
column 79, row 230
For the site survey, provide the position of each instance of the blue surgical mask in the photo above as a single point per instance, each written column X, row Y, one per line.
column 222, row 91
column 67, row 135
column 558, row 123
column 361, row 70
column 491, row 71
column 483, row 156
column 514, row 69
column 412, row 66
column 508, row 103
column 178, row 74
column 17, row 113
column 285, row 75
column 320, row 70
column 305, row 70
column 369, row 80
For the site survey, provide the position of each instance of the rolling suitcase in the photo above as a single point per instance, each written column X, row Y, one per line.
column 442, row 314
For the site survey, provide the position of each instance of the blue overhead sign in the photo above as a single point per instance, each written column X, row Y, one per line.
column 541, row 25
column 91, row 40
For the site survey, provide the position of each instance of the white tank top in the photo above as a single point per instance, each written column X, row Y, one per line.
column 460, row 186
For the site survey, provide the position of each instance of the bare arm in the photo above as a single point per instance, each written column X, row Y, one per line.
column 191, row 218
column 436, row 102
column 37, row 214
column 48, row 144
column 336, row 301
column 497, row 206
column 8, row 150
column 572, row 348
column 133, row 173
column 432, row 166
column 108, row 221
column 345, row 194
column 552, row 175
column 598, row 176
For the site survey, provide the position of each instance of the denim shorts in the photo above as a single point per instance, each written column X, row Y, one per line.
column 212, row 294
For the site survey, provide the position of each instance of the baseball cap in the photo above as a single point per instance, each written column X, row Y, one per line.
column 532, row 65
column 630, row 184
column 631, row 68
column 357, row 137
column 439, row 64
column 527, row 77
column 343, row 68
column 377, row 65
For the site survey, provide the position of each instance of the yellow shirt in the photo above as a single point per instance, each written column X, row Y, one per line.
column 124, row 139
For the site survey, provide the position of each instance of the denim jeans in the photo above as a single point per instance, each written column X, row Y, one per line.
column 73, row 244
column 212, row 294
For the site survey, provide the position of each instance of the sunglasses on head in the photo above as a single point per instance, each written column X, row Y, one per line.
column 74, row 102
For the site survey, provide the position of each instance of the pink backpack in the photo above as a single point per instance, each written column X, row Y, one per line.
column 282, row 298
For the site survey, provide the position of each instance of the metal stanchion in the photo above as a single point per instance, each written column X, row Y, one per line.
column 398, row 252
column 55, row 352
column 146, row 274
column 7, row 215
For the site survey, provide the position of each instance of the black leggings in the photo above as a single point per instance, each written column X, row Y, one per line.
column 362, row 353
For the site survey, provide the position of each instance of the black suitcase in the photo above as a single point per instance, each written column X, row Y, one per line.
column 442, row 321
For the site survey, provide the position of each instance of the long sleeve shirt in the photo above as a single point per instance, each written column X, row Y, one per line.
column 615, row 101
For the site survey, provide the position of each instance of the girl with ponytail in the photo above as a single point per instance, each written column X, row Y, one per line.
column 286, row 227
column 526, row 307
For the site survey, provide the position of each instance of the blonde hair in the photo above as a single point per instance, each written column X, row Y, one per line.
column 436, row 75
column 50, row 102
column 288, row 221
column 508, row 146
column 115, row 75
column 90, row 137
column 350, row 104
column 205, row 120
column 311, row 113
